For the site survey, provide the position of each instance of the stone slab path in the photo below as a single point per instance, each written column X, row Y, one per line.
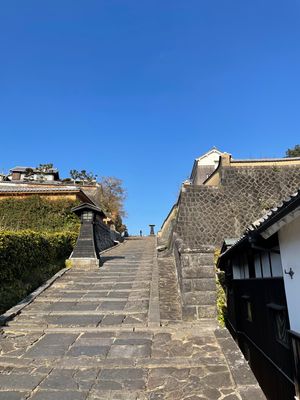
column 97, row 335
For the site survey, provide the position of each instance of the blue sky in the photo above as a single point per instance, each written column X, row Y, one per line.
column 138, row 89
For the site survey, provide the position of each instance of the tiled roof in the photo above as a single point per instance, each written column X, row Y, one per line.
column 279, row 211
column 259, row 160
column 20, row 169
column 271, row 217
column 23, row 169
column 230, row 241
column 36, row 189
column 87, row 206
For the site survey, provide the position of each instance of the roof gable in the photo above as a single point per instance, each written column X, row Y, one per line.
column 214, row 150
column 87, row 207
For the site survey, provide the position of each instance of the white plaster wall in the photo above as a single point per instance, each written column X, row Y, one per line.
column 210, row 159
column 289, row 242
column 36, row 177
column 49, row 177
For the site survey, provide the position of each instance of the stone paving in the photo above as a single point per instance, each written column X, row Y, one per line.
column 97, row 335
column 169, row 297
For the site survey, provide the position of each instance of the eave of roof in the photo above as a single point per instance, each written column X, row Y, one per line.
column 230, row 241
column 213, row 150
column 38, row 190
column 275, row 213
column 259, row 160
column 87, row 206
column 23, row 169
column 273, row 216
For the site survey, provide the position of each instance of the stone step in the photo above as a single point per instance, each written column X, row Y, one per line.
column 89, row 312
column 90, row 299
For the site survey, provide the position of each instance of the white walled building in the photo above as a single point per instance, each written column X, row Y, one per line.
column 204, row 166
column 262, row 271
column 21, row 174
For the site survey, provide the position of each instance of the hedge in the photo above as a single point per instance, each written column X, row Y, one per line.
column 27, row 259
column 38, row 214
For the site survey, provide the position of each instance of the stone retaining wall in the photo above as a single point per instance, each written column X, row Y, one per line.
column 197, row 281
column 104, row 237
column 207, row 215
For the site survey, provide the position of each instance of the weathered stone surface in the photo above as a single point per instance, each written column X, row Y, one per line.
column 112, row 305
column 198, row 272
column 59, row 395
column 207, row 311
column 187, row 285
column 4, row 395
column 19, row 381
column 202, row 285
column 251, row 393
column 169, row 291
column 189, row 313
column 88, row 351
column 130, row 351
column 195, row 298
column 207, row 215
column 82, row 359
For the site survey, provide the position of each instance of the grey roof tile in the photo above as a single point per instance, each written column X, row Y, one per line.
column 275, row 213
column 37, row 189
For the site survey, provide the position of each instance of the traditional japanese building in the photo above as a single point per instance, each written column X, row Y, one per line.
column 236, row 193
column 49, row 191
column 204, row 166
column 34, row 174
column 262, row 271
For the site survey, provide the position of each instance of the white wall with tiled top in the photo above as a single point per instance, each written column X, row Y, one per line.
column 289, row 242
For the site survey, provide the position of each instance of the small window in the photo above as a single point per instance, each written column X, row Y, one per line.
column 249, row 311
column 87, row 216
column 280, row 323
column 247, row 308
column 281, row 327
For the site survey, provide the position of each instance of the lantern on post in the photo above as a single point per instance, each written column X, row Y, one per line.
column 85, row 251
column 152, row 230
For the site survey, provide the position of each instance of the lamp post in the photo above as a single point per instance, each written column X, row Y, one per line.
column 85, row 251
column 152, row 229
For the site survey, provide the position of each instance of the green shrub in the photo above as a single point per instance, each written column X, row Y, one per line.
column 221, row 299
column 221, row 295
column 27, row 259
column 38, row 214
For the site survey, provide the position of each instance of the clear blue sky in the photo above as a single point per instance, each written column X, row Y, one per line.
column 139, row 88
